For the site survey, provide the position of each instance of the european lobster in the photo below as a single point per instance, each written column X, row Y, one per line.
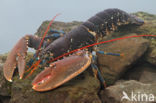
column 61, row 71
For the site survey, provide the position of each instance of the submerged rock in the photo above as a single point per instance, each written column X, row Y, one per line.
column 151, row 54
column 113, row 67
column 142, row 72
column 82, row 89
column 5, row 99
column 133, row 89
column 5, row 86
column 57, row 25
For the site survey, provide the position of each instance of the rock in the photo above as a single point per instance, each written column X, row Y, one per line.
column 151, row 54
column 82, row 89
column 113, row 67
column 149, row 28
column 150, row 23
column 4, row 99
column 57, row 25
column 114, row 94
column 146, row 16
column 5, row 86
column 142, row 72
column 3, row 58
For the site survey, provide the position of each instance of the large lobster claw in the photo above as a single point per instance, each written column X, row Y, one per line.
column 62, row 71
column 17, row 56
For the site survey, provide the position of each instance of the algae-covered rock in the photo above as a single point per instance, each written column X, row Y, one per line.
column 82, row 89
column 113, row 67
column 3, row 58
column 146, row 16
column 57, row 25
column 151, row 54
column 150, row 23
column 149, row 28
column 5, row 86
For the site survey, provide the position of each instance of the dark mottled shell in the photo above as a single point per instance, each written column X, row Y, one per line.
column 88, row 32
column 108, row 20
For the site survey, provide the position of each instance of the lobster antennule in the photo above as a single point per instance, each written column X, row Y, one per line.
column 62, row 71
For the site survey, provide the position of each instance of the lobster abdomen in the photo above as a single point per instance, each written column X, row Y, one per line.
column 108, row 20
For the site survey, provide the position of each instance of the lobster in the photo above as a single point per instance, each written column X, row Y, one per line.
column 61, row 71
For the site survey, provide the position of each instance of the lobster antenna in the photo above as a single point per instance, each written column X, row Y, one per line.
column 116, row 39
column 38, row 50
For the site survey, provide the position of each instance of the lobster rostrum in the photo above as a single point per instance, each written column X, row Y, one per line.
column 61, row 71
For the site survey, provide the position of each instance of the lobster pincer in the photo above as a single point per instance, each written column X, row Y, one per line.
column 64, row 70
column 17, row 55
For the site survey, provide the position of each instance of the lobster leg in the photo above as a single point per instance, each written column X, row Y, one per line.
column 96, row 70
column 98, row 75
column 56, row 31
column 17, row 55
column 54, row 34
column 108, row 53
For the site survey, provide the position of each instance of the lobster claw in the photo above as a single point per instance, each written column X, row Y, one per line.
column 62, row 71
column 16, row 57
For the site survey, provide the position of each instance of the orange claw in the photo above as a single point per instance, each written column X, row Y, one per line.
column 62, row 71
column 16, row 57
